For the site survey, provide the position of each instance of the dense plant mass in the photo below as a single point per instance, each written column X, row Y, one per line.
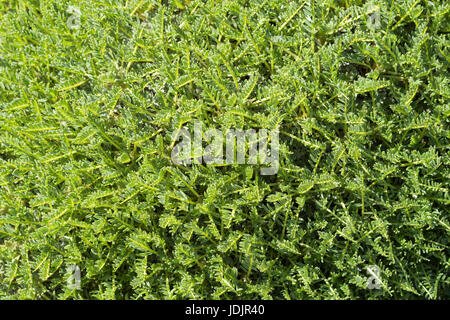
column 90, row 97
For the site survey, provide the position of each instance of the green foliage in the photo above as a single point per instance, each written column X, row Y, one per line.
column 86, row 117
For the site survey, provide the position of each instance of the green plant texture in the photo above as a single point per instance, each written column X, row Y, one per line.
column 89, row 100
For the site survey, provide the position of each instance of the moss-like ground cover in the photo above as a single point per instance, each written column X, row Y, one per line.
column 91, row 92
